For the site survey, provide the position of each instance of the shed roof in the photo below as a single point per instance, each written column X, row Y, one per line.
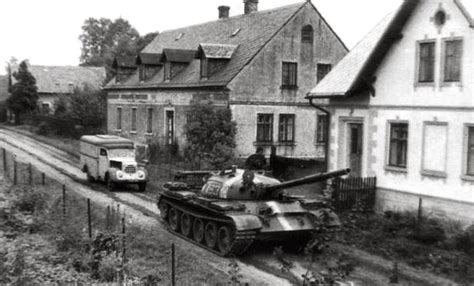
column 218, row 51
column 63, row 79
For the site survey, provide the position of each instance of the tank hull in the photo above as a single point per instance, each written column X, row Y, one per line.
column 288, row 223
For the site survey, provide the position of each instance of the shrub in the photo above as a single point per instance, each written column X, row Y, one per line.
column 429, row 232
column 30, row 201
column 465, row 241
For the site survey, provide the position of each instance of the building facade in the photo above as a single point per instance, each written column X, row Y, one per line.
column 402, row 109
column 260, row 65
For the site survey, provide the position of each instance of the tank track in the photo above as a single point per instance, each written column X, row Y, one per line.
column 240, row 244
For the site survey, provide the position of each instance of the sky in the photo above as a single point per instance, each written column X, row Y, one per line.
column 47, row 32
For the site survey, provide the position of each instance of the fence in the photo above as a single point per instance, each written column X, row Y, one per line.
column 354, row 193
column 74, row 214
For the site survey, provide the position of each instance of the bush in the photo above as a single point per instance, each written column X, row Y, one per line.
column 429, row 232
column 30, row 201
column 465, row 241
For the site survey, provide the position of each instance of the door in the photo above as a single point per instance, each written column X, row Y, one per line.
column 355, row 131
column 169, row 126
column 103, row 163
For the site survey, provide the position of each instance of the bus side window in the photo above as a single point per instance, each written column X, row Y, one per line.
column 103, row 152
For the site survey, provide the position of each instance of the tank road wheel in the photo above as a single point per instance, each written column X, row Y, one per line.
column 173, row 219
column 198, row 230
column 225, row 238
column 164, row 208
column 186, row 223
column 210, row 234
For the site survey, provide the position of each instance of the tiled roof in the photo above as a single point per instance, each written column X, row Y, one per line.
column 249, row 31
column 345, row 73
column 61, row 79
column 149, row 59
column 125, row 62
column 218, row 51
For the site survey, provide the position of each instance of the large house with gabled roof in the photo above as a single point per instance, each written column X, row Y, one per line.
column 259, row 64
column 402, row 109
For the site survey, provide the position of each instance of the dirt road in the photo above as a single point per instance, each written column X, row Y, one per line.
column 140, row 208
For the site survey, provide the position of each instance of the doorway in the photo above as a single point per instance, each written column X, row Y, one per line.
column 354, row 148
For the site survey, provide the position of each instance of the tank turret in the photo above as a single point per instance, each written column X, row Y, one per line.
column 236, row 207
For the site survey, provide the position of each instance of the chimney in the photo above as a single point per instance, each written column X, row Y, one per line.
column 251, row 6
column 223, row 12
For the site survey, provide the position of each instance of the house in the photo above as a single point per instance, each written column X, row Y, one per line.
column 259, row 64
column 56, row 81
column 402, row 108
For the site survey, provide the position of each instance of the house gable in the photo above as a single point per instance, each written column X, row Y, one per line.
column 261, row 79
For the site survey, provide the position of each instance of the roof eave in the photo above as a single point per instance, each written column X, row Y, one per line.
column 311, row 95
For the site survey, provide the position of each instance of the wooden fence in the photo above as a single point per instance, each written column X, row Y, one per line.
column 354, row 193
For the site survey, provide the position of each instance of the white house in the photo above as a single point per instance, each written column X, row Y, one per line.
column 402, row 108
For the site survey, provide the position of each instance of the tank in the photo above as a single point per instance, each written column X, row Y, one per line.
column 235, row 207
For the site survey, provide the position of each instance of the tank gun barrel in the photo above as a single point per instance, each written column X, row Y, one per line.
column 308, row 179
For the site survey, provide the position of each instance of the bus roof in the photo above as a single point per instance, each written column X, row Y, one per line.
column 111, row 141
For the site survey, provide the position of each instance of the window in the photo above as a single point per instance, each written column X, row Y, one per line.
column 321, row 132
column 426, row 62
column 470, row 151
column 398, row 145
column 289, row 75
column 452, row 61
column 435, row 140
column 264, row 127
column 134, row 120
column 286, row 131
column 119, row 118
column 307, row 34
column 323, row 70
column 169, row 117
column 141, row 73
column 103, row 152
column 149, row 124
column 204, row 68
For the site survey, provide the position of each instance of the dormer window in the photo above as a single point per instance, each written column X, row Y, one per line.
column 307, row 34
column 180, row 35
column 175, row 61
column 124, row 68
column 148, row 65
column 214, row 57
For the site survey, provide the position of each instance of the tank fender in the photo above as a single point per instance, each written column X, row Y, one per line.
column 246, row 222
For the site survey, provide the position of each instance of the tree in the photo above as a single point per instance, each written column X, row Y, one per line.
column 210, row 135
column 24, row 92
column 103, row 40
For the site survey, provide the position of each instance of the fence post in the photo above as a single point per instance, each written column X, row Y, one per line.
column 173, row 276
column 43, row 179
column 15, row 175
column 89, row 217
column 420, row 210
column 30, row 174
column 107, row 218
column 64, row 200
column 123, row 242
column 4, row 161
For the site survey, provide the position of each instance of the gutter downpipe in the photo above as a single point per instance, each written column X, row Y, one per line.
column 328, row 122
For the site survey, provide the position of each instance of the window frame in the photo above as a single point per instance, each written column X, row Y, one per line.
column 307, row 38
column 418, row 81
column 133, row 119
column 388, row 164
column 318, row 68
column 443, row 80
column 465, row 154
column 119, row 118
column 291, row 80
column 267, row 128
column 321, row 128
column 428, row 172
column 149, row 120
column 284, row 126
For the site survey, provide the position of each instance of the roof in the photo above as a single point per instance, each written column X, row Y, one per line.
column 218, row 51
column 125, row 62
column 467, row 8
column 149, row 59
column 355, row 69
column 179, row 55
column 251, row 32
column 63, row 79
column 107, row 140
